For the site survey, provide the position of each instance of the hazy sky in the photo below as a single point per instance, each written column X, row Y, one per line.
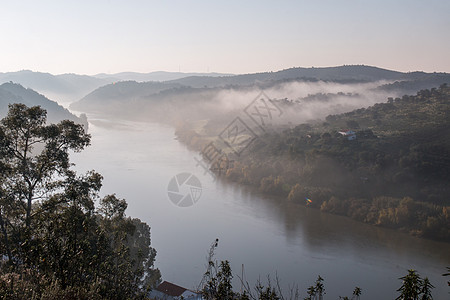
column 89, row 37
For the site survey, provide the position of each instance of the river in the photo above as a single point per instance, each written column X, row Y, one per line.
column 267, row 236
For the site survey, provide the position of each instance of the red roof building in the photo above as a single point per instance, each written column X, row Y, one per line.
column 171, row 291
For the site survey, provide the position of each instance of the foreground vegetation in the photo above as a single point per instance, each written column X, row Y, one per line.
column 394, row 174
column 217, row 284
column 57, row 241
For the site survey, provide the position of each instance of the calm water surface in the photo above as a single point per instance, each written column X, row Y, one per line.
column 266, row 235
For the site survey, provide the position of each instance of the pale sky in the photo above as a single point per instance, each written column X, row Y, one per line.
column 110, row 36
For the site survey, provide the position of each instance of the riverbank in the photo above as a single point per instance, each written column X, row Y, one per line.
column 385, row 177
column 265, row 233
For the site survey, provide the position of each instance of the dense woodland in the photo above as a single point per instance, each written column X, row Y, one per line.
column 394, row 174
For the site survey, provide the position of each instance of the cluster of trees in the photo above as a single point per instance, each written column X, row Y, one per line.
column 56, row 240
column 394, row 174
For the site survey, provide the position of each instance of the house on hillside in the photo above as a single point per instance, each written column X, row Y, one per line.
column 349, row 134
column 170, row 291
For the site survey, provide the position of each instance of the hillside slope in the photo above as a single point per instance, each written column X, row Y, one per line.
column 394, row 174
column 16, row 93
column 64, row 88
column 128, row 96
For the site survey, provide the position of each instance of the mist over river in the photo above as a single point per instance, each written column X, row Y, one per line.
column 268, row 236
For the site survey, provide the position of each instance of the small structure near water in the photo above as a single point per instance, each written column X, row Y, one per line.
column 171, row 291
column 349, row 134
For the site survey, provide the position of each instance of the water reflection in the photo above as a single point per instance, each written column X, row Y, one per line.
column 317, row 230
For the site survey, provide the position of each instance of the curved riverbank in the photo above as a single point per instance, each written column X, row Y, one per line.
column 317, row 179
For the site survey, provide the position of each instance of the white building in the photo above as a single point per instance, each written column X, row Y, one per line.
column 349, row 134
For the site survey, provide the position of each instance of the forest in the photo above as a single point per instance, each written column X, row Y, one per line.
column 394, row 173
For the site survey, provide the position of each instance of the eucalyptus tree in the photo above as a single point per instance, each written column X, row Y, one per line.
column 51, row 231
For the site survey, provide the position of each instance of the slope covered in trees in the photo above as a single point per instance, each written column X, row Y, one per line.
column 65, row 87
column 394, row 174
column 150, row 100
column 15, row 93
column 353, row 73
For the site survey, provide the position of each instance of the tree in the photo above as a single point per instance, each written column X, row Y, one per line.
column 266, row 292
column 426, row 289
column 356, row 293
column 33, row 155
column 57, row 242
column 414, row 287
column 316, row 291
column 35, row 152
column 219, row 286
column 352, row 124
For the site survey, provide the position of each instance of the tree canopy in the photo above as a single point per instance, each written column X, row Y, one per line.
column 55, row 241
column 394, row 174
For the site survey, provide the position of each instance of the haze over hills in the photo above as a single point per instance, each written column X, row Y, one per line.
column 67, row 88
column 391, row 169
column 154, row 76
column 130, row 95
column 15, row 93
column 346, row 88
column 344, row 74
column 63, row 88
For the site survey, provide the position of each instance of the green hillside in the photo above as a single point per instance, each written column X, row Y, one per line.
column 394, row 174
column 15, row 93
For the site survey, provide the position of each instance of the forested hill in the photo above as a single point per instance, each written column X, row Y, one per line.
column 150, row 100
column 394, row 174
column 154, row 76
column 347, row 74
column 342, row 74
column 64, row 87
column 16, row 93
column 125, row 93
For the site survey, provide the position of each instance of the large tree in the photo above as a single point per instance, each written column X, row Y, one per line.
column 51, row 232
column 36, row 152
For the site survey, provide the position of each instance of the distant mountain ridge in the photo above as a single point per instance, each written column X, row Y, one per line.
column 67, row 88
column 64, row 88
column 130, row 96
column 71, row 87
column 155, row 76
column 344, row 74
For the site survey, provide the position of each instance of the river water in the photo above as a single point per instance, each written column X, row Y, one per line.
column 259, row 235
